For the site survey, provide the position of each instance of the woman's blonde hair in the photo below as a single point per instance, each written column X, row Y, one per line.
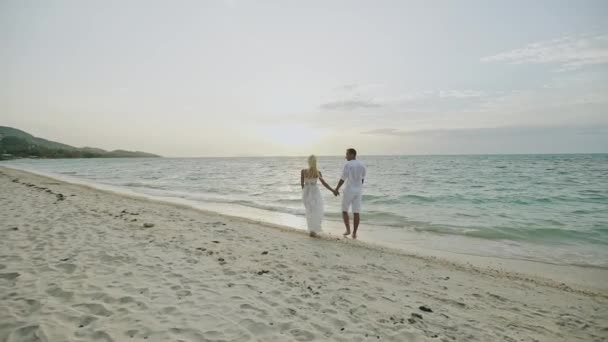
column 312, row 171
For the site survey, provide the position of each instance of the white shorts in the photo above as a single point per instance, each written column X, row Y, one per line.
column 351, row 199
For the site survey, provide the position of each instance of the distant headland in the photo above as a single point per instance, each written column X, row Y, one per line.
column 15, row 143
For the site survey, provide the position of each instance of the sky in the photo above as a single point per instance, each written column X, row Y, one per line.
column 259, row 78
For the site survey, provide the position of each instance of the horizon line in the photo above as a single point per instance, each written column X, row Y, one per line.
column 396, row 155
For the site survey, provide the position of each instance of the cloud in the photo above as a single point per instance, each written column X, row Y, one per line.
column 358, row 87
column 349, row 105
column 384, row 131
column 568, row 53
column 490, row 140
column 505, row 131
column 461, row 94
column 352, row 97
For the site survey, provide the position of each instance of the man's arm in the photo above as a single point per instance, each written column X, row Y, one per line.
column 343, row 177
column 364, row 174
column 302, row 179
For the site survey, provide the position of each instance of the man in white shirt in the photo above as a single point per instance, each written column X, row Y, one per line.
column 354, row 176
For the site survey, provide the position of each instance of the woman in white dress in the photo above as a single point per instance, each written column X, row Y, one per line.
column 311, row 195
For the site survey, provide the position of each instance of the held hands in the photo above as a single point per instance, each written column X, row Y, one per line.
column 336, row 192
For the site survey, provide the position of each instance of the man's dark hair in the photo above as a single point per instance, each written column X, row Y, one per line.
column 352, row 151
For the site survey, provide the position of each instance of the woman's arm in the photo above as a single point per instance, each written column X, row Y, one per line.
column 302, row 178
column 325, row 184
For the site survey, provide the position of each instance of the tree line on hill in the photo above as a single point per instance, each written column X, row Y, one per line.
column 15, row 143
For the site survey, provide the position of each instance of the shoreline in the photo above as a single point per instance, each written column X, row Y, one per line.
column 80, row 264
column 584, row 278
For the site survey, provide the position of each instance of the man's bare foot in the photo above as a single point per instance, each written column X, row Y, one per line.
column 313, row 234
column 355, row 236
column 347, row 233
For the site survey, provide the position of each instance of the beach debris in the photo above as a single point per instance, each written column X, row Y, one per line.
column 416, row 315
column 125, row 212
column 389, row 299
column 133, row 220
column 64, row 259
column 425, row 308
column 446, row 278
column 148, row 225
column 395, row 320
column 201, row 249
column 14, row 228
column 262, row 272
column 342, row 329
column 215, row 241
column 313, row 291
column 264, row 252
column 411, row 320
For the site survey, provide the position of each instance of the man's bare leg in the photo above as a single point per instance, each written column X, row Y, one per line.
column 356, row 218
column 346, row 222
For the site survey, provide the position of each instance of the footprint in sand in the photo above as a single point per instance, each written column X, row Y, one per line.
column 131, row 333
column 58, row 292
column 26, row 306
column 94, row 309
column 102, row 336
column 252, row 308
column 168, row 310
column 302, row 335
column 27, row 333
column 9, row 276
column 67, row 267
column 183, row 293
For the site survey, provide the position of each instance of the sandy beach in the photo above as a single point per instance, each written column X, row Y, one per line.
column 79, row 264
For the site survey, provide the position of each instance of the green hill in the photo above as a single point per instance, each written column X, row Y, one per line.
column 15, row 143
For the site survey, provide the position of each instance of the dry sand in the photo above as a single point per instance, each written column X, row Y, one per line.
column 77, row 264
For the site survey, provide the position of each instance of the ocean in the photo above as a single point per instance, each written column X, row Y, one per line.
column 547, row 208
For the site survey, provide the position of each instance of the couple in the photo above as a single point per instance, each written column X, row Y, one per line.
column 354, row 176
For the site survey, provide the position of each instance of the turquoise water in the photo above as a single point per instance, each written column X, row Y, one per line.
column 544, row 200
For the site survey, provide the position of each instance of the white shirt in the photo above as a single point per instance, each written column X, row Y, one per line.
column 353, row 175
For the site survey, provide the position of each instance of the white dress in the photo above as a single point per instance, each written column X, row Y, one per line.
column 313, row 202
